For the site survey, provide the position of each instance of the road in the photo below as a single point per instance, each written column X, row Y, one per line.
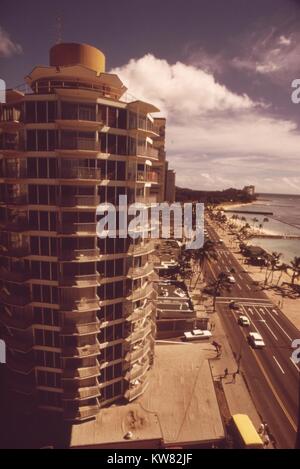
column 270, row 373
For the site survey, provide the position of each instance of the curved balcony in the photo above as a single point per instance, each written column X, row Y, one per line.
column 23, row 367
column 18, row 345
column 135, row 390
column 81, row 173
column 140, row 313
column 69, row 304
column 21, row 251
column 81, row 393
column 138, row 352
column 139, row 272
column 137, row 371
column 139, row 334
column 83, row 413
column 74, row 123
column 78, row 144
column 91, row 280
column 81, row 228
column 14, row 300
column 81, row 373
column 81, row 329
column 84, row 351
column 79, row 201
column 79, row 254
column 16, row 277
column 16, row 226
column 141, row 292
column 141, row 249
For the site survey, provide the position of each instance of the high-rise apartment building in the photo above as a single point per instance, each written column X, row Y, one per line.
column 77, row 312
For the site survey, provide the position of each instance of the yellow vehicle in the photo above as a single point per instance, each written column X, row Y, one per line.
column 244, row 432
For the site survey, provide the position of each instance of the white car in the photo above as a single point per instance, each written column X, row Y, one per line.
column 197, row 334
column 220, row 240
column 231, row 279
column 243, row 321
column 256, row 340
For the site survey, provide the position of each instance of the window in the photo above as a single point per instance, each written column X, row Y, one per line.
column 49, row 379
column 46, row 338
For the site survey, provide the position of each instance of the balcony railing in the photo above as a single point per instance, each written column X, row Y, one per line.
column 146, row 176
column 81, row 393
column 137, row 371
column 138, row 352
column 14, row 276
column 80, row 173
column 139, row 334
column 141, row 249
column 83, row 413
column 78, row 254
column 84, row 351
column 138, row 272
column 136, row 390
column 21, row 251
column 81, row 329
column 15, row 172
column 69, row 304
column 80, row 200
column 81, row 373
column 150, row 152
column 70, row 227
column 16, row 200
column 77, row 279
column 79, row 144
column 140, row 313
column 17, row 225
column 141, row 292
column 14, row 299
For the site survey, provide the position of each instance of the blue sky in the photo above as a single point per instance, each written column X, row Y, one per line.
column 220, row 71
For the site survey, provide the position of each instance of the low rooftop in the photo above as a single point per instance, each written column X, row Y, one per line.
column 179, row 407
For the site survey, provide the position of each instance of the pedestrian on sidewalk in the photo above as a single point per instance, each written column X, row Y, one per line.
column 266, row 441
column 225, row 372
column 234, row 376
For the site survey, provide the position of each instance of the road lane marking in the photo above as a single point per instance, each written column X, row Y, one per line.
column 247, row 286
column 291, row 421
column 280, row 327
column 274, row 311
column 278, row 364
column 265, row 322
column 262, row 311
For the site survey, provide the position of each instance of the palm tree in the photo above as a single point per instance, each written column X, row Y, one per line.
column 274, row 262
column 206, row 253
column 221, row 283
column 295, row 266
column 283, row 268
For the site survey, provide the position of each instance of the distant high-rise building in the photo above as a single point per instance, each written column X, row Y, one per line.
column 77, row 312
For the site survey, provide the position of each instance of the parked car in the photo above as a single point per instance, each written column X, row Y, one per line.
column 256, row 340
column 234, row 305
column 197, row 334
column 243, row 320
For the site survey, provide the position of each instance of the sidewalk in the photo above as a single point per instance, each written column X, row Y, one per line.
column 235, row 390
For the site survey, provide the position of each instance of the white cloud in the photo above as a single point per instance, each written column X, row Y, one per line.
column 7, row 46
column 216, row 138
column 179, row 89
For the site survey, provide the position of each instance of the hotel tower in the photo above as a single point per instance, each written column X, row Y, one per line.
column 77, row 312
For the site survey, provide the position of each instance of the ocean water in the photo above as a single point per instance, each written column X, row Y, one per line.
column 284, row 221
